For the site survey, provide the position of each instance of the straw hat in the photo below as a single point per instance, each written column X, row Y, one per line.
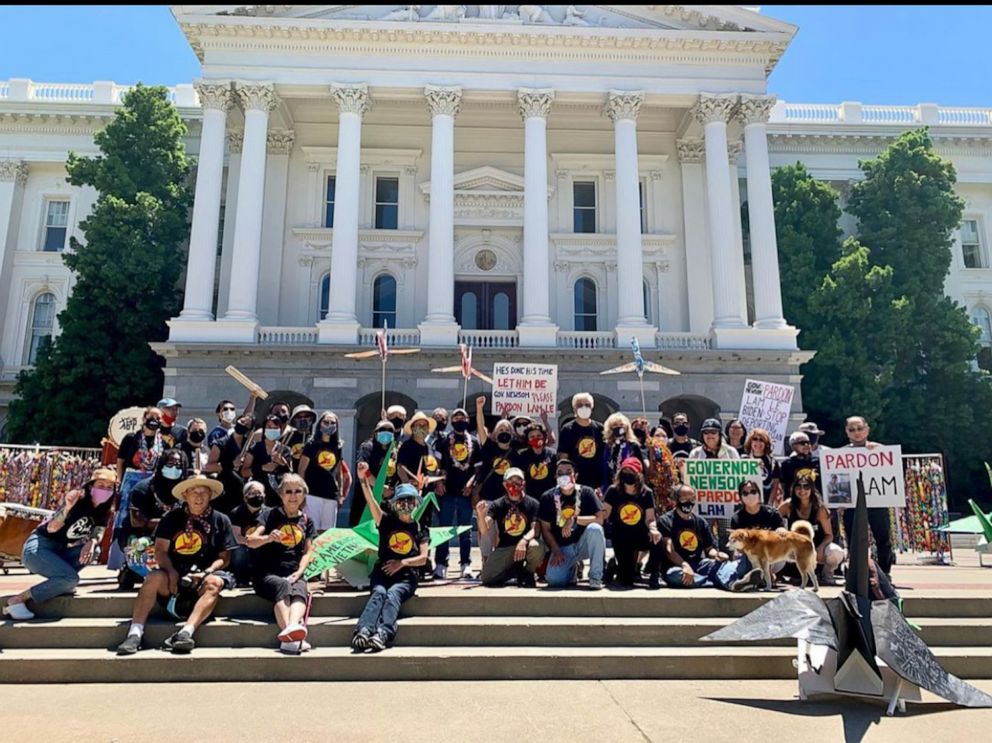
column 198, row 481
column 420, row 416
column 103, row 473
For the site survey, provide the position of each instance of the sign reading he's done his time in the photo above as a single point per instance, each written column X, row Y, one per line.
column 716, row 482
column 766, row 405
column 524, row 389
column 882, row 468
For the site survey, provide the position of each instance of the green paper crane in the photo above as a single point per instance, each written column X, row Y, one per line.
column 361, row 542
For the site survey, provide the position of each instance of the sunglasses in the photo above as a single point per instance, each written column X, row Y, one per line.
column 228, row 408
column 802, row 486
column 857, row 428
column 292, row 492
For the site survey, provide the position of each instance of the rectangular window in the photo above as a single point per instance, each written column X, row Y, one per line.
column 387, row 203
column 644, row 219
column 584, row 206
column 56, row 224
column 971, row 245
column 329, row 202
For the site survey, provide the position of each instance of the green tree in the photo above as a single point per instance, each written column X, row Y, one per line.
column 126, row 276
column 806, row 216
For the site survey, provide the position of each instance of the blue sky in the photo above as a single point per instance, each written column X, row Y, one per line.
column 873, row 54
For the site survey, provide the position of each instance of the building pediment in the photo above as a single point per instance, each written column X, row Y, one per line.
column 486, row 196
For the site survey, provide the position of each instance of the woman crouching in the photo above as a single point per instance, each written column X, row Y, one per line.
column 283, row 547
column 403, row 545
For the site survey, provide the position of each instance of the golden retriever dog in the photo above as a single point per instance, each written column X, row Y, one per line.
column 763, row 548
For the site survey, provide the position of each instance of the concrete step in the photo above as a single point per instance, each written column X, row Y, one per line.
column 493, row 602
column 429, row 631
column 428, row 663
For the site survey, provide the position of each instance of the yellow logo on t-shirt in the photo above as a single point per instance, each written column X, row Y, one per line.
column 539, row 471
column 401, row 542
column 567, row 512
column 459, row 452
column 688, row 540
column 587, row 447
column 630, row 514
column 501, row 465
column 290, row 535
column 297, row 450
column 327, row 460
column 430, row 463
column 188, row 543
column 514, row 524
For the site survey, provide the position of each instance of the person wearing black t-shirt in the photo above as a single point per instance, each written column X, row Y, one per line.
column 246, row 519
column 283, row 547
column 65, row 542
column 738, row 574
column 459, row 456
column 581, row 441
column 680, row 444
column 268, row 459
column 173, row 434
column 192, row 548
column 403, row 545
column 372, row 452
column 572, row 525
column 418, row 459
column 513, row 517
column 687, row 545
column 537, row 462
column 224, row 463
column 801, row 463
column 141, row 450
column 322, row 466
column 496, row 457
column 630, row 512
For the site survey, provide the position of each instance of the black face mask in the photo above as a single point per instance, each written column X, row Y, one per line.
column 241, row 429
column 152, row 425
column 641, row 434
column 813, row 438
column 460, row 426
column 686, row 507
column 619, row 432
column 681, row 430
column 441, row 424
column 504, row 438
column 255, row 501
column 628, row 478
column 197, row 436
column 397, row 423
column 283, row 417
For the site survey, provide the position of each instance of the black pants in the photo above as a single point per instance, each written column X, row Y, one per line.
column 625, row 551
column 879, row 524
column 275, row 588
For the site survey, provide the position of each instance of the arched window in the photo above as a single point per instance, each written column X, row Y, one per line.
column 501, row 311
column 647, row 301
column 585, row 304
column 384, row 301
column 980, row 317
column 324, row 299
column 42, row 322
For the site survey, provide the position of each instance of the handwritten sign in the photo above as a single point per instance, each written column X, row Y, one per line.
column 882, row 468
column 766, row 405
column 716, row 482
column 524, row 389
column 124, row 422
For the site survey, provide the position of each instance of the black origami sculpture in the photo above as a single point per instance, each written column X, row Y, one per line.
column 860, row 631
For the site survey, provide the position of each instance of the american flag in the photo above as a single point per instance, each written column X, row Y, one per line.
column 466, row 352
column 638, row 359
column 380, row 342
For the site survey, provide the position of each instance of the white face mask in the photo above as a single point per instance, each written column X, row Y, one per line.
column 564, row 482
column 585, row 412
column 229, row 415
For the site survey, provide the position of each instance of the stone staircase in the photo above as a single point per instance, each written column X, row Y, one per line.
column 457, row 632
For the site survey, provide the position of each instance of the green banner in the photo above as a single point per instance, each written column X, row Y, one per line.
column 716, row 482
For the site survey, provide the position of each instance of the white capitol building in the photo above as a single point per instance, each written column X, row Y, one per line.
column 541, row 182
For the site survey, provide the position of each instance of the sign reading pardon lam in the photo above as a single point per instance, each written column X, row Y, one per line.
column 766, row 405
column 524, row 389
column 716, row 482
column 882, row 468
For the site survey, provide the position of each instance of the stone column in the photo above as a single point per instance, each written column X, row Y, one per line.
column 713, row 112
column 235, row 143
column 697, row 295
column 216, row 99
column 536, row 328
column 341, row 324
column 753, row 114
column 272, row 305
column 257, row 100
column 622, row 107
column 439, row 327
column 734, row 150
column 13, row 177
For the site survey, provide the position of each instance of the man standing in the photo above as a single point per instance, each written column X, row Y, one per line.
column 857, row 432
column 681, row 445
column 581, row 442
column 800, row 463
column 173, row 434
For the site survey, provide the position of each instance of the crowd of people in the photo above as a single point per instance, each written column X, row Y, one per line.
column 244, row 503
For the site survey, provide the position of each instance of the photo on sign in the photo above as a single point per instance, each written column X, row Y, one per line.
column 838, row 490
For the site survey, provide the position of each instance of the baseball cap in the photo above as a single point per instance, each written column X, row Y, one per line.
column 513, row 472
column 811, row 427
column 406, row 490
column 632, row 463
column 168, row 402
column 711, row 424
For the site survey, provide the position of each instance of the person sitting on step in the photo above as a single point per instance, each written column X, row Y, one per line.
column 572, row 524
column 193, row 545
column 518, row 553
column 686, row 546
column 283, row 547
column 403, row 545
column 66, row 542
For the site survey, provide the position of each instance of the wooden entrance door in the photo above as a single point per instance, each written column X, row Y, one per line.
column 486, row 305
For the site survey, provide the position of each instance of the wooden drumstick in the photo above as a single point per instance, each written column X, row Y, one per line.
column 252, row 386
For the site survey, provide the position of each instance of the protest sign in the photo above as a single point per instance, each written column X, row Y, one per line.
column 716, row 482
column 881, row 466
column 766, row 405
column 524, row 389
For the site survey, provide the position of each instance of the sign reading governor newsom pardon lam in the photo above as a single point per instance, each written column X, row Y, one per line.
column 524, row 389
column 882, row 470
column 716, row 481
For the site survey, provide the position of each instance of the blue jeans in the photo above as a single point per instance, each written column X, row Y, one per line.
column 705, row 574
column 383, row 607
column 456, row 510
column 59, row 564
column 591, row 546
column 730, row 571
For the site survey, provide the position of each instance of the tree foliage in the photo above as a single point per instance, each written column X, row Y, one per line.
column 125, row 279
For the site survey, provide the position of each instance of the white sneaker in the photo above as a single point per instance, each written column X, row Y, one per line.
column 595, row 585
column 441, row 572
column 293, row 633
column 294, row 648
column 18, row 611
column 467, row 572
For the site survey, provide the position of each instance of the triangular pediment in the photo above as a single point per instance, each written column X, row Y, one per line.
column 484, row 180
column 732, row 18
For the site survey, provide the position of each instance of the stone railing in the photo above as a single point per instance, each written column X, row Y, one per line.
column 102, row 92
column 273, row 336
column 489, row 338
column 682, row 341
column 394, row 337
column 852, row 112
column 586, row 339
